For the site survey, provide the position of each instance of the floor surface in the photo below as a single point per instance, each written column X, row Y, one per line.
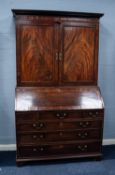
column 77, row 167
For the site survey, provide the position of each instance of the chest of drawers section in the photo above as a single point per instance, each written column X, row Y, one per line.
column 59, row 134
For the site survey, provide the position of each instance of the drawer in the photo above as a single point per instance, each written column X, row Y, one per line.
column 57, row 115
column 23, row 117
column 34, row 138
column 93, row 113
column 57, row 149
column 70, row 114
column 63, row 125
column 49, row 115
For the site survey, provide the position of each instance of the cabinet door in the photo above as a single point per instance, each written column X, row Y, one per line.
column 36, row 50
column 78, row 60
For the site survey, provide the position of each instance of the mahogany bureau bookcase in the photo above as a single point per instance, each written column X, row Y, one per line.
column 59, row 108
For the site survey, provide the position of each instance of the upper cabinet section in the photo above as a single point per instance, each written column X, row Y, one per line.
column 56, row 48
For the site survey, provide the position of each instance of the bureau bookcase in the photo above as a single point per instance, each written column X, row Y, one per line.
column 59, row 108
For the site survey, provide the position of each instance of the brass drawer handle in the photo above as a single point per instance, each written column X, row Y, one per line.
column 40, row 149
column 34, row 136
column 34, row 149
column 84, row 124
column 83, row 135
column 93, row 114
column 82, row 147
column 61, row 116
column 38, row 126
column 41, row 136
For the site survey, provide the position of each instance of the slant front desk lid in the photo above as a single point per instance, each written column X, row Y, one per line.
column 58, row 98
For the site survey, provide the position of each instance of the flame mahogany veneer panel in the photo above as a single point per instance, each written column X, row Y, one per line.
column 37, row 53
column 79, row 55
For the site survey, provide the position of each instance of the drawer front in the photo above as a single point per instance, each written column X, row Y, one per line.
column 24, row 117
column 93, row 114
column 41, row 137
column 45, row 150
column 52, row 126
column 58, row 115
column 70, row 114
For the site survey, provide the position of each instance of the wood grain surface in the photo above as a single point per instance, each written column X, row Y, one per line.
column 79, row 58
column 53, row 98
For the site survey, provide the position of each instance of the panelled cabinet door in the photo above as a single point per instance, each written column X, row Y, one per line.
column 36, row 51
column 78, row 63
